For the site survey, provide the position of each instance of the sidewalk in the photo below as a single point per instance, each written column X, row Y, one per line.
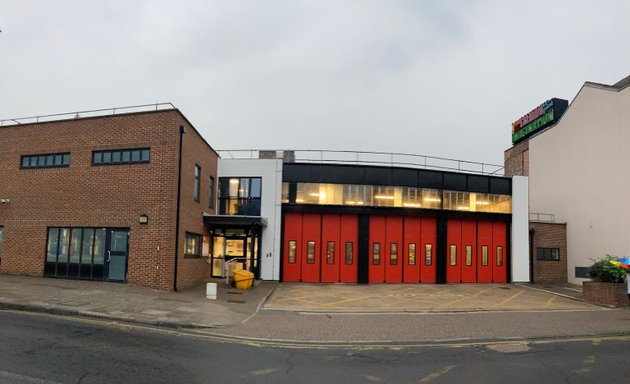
column 124, row 302
column 330, row 313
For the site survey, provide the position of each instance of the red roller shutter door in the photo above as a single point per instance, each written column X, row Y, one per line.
column 394, row 237
column 348, row 248
column 484, row 252
column 376, row 252
column 427, row 250
column 412, row 250
column 292, row 255
column 311, row 239
column 331, row 249
column 499, row 252
column 469, row 251
column 454, row 251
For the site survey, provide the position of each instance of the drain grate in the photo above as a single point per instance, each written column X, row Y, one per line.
column 235, row 293
column 237, row 301
column 505, row 287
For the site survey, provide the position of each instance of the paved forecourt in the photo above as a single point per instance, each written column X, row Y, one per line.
column 302, row 297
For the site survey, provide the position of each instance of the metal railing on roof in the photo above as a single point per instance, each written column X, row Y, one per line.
column 542, row 217
column 392, row 159
column 87, row 113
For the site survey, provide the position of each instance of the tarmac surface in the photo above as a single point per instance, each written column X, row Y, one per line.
column 331, row 313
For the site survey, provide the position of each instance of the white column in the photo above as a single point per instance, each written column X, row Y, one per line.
column 520, row 229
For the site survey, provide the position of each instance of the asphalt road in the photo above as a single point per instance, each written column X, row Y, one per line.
column 44, row 349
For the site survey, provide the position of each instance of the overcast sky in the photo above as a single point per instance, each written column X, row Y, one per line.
column 442, row 78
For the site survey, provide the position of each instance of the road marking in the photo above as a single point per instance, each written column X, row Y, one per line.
column 428, row 378
column 510, row 348
column 550, row 301
column 372, row 378
column 514, row 296
column 262, row 372
column 464, row 298
column 23, row 378
column 587, row 365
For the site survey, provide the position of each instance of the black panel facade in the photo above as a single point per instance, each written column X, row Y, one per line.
column 394, row 176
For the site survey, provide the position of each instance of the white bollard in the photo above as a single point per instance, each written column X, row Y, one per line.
column 211, row 291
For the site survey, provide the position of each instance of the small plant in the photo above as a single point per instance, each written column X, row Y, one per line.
column 603, row 270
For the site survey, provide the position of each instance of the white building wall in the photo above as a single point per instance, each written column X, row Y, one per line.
column 579, row 172
column 520, row 229
column 270, row 170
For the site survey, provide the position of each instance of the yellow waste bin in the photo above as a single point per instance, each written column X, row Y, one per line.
column 243, row 279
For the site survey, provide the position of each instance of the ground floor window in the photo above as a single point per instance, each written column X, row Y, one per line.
column 87, row 253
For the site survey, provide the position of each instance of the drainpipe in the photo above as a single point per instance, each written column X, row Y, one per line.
column 532, row 233
column 182, row 130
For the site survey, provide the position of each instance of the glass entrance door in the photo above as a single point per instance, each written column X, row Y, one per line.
column 232, row 244
column 116, row 263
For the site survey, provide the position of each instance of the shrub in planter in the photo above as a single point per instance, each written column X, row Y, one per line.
column 604, row 271
column 608, row 285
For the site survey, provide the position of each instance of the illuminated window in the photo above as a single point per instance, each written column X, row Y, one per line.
column 393, row 253
column 349, row 252
column 411, row 257
column 376, row 253
column 469, row 255
column 499, row 256
column 310, row 252
column 330, row 252
column 292, row 251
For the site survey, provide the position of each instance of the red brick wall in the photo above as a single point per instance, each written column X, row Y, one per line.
column 516, row 160
column 92, row 196
column 549, row 235
column 191, row 271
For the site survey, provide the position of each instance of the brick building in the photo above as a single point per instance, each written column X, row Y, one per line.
column 119, row 197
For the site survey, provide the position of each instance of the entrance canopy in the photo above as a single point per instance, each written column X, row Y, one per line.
column 233, row 221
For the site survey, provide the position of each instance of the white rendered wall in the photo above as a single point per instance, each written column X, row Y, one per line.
column 579, row 172
column 520, row 229
column 270, row 170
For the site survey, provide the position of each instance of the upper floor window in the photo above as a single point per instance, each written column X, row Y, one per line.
column 240, row 196
column 121, row 156
column 196, row 186
column 548, row 254
column 51, row 160
column 211, row 193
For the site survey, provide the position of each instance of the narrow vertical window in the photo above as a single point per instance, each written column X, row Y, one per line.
column 376, row 253
column 428, row 254
column 330, row 252
column 349, row 252
column 196, row 186
column 469, row 255
column 499, row 256
column 211, row 193
column 1, row 241
column 411, row 257
column 310, row 252
column 393, row 253
column 484, row 255
column 292, row 251
column 453, row 255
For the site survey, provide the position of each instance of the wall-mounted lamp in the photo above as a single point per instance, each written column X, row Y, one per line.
column 144, row 219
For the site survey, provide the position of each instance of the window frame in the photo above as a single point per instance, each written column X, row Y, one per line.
column 65, row 160
column 211, row 192
column 119, row 153
column 540, row 255
column 197, row 183
column 199, row 238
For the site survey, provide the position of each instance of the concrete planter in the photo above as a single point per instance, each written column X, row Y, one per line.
column 614, row 294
